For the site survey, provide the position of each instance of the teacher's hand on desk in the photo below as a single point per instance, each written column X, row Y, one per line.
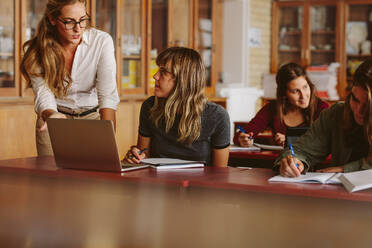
column 291, row 167
column 50, row 114
column 245, row 139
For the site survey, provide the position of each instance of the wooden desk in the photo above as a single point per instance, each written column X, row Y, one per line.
column 261, row 159
column 42, row 206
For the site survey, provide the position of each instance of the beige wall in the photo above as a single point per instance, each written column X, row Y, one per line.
column 259, row 58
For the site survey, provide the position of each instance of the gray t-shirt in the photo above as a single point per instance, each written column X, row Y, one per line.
column 215, row 133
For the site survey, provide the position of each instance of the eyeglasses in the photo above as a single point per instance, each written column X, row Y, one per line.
column 164, row 71
column 71, row 24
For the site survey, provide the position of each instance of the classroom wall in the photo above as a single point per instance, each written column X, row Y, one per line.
column 260, row 57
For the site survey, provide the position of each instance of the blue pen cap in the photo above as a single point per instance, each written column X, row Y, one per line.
column 241, row 129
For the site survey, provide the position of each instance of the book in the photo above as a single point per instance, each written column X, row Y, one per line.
column 131, row 167
column 171, row 163
column 268, row 147
column 234, row 148
column 310, row 177
column 358, row 180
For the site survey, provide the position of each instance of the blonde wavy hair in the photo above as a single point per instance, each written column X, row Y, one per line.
column 187, row 100
column 43, row 53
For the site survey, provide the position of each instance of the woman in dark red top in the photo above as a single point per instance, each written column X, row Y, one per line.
column 296, row 105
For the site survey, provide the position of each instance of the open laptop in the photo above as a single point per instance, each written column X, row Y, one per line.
column 293, row 133
column 87, row 145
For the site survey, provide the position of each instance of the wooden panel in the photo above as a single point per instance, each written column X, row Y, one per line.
column 127, row 125
column 17, row 131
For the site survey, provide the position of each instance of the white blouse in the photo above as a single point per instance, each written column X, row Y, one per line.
column 93, row 77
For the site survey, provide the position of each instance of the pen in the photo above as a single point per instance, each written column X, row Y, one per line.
column 243, row 131
column 139, row 153
column 292, row 152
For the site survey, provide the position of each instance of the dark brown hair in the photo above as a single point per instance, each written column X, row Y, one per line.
column 286, row 74
column 363, row 79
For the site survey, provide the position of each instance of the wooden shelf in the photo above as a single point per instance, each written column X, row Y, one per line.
column 322, row 32
column 296, row 32
column 359, row 55
column 131, row 57
column 322, row 51
column 6, row 54
column 295, row 50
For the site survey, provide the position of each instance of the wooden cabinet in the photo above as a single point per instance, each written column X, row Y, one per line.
column 8, row 47
column 358, row 35
column 308, row 33
column 143, row 28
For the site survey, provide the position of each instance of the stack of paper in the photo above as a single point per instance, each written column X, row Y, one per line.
column 171, row 163
column 269, row 147
column 234, row 148
column 359, row 180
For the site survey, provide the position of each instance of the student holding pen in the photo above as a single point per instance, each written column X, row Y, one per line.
column 296, row 105
column 179, row 122
column 344, row 131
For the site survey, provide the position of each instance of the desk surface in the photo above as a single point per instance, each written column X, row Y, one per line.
column 264, row 154
column 43, row 206
column 209, row 177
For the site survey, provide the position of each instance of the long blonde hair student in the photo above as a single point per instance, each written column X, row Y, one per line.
column 187, row 100
column 43, row 53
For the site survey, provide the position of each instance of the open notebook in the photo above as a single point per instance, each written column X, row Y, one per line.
column 310, row 177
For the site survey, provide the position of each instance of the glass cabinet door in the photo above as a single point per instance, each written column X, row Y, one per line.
column 323, row 34
column 7, row 55
column 180, row 24
column 131, row 62
column 34, row 10
column 358, row 36
column 159, row 38
column 204, row 42
column 290, row 34
column 106, row 16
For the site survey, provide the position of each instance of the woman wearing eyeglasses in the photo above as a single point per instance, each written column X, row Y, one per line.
column 179, row 122
column 70, row 67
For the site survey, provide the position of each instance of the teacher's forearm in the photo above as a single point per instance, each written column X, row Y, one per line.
column 108, row 114
column 46, row 113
